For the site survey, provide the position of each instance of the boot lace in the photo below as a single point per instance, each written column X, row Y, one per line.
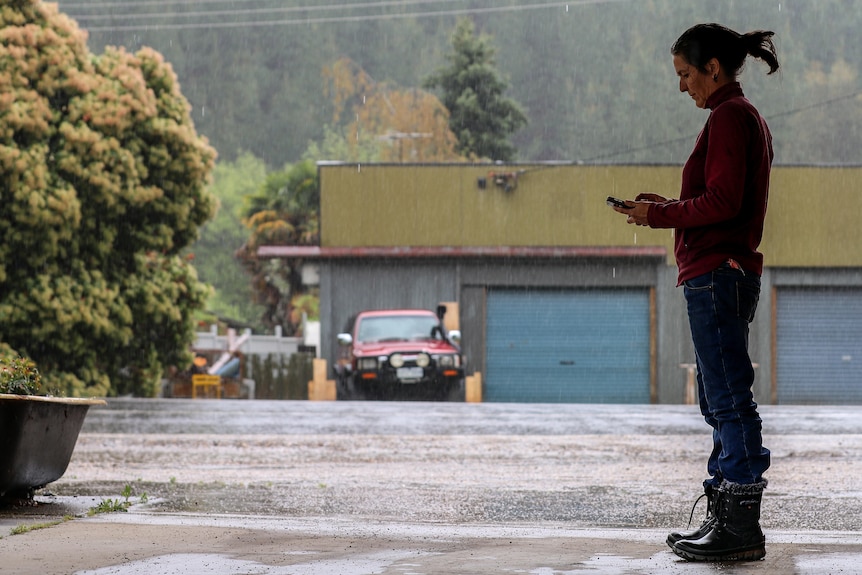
column 693, row 507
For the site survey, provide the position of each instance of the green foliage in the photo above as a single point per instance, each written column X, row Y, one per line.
column 109, row 506
column 293, row 193
column 215, row 252
column 481, row 117
column 22, row 529
column 116, row 505
column 19, row 375
column 308, row 304
column 103, row 184
column 284, row 212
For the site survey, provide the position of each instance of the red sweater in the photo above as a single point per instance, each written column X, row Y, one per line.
column 725, row 184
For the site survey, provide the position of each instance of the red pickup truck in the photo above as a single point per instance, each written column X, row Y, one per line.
column 399, row 354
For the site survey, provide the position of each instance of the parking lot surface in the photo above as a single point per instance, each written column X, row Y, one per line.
column 308, row 488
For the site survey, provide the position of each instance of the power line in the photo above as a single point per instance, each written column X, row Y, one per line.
column 340, row 19
column 244, row 12
column 691, row 137
column 150, row 3
column 140, row 3
column 815, row 105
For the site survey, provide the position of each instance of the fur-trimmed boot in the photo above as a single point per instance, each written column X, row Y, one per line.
column 710, row 492
column 735, row 534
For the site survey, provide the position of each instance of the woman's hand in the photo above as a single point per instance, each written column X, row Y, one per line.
column 647, row 197
column 637, row 212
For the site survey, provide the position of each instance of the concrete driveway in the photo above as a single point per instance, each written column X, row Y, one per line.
column 308, row 488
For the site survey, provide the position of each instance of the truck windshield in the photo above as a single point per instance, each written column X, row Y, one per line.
column 400, row 327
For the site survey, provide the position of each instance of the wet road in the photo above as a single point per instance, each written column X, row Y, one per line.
column 416, row 418
column 587, row 465
column 568, row 484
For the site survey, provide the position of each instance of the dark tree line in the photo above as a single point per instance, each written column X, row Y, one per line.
column 595, row 80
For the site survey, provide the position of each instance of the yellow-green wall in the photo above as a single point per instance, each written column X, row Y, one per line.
column 812, row 221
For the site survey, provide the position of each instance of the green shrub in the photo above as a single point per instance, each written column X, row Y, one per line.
column 19, row 376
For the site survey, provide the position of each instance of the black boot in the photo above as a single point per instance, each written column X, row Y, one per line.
column 711, row 494
column 736, row 533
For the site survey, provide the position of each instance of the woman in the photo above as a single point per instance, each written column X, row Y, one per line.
column 718, row 223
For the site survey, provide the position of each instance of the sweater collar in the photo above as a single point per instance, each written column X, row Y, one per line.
column 723, row 94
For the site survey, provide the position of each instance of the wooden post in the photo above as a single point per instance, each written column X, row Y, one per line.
column 451, row 319
column 473, row 388
column 320, row 388
column 690, row 386
column 691, row 396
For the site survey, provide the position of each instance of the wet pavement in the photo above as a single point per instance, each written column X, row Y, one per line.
column 308, row 488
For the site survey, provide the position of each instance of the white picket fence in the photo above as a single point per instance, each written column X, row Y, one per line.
column 249, row 344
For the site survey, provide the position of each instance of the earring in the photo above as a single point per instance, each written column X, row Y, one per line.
column 715, row 77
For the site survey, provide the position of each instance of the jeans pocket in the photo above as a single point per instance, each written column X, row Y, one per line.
column 747, row 297
column 699, row 284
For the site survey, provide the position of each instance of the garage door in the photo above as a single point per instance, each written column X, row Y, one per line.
column 819, row 348
column 572, row 346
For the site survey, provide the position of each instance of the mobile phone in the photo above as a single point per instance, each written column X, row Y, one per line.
column 617, row 203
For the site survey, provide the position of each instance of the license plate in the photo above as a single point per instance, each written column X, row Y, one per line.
column 409, row 373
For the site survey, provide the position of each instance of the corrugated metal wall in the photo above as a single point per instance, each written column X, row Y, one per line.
column 564, row 205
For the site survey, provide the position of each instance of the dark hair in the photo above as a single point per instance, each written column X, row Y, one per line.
column 703, row 42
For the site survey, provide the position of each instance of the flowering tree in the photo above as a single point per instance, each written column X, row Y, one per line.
column 387, row 123
column 102, row 184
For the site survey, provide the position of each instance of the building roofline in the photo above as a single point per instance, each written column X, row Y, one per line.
column 459, row 252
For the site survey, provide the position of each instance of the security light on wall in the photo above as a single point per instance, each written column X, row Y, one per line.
column 507, row 181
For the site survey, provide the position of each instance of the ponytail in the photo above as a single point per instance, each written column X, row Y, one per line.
column 759, row 44
column 703, row 42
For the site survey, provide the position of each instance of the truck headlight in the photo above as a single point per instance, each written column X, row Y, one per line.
column 448, row 360
column 423, row 360
column 367, row 363
column 396, row 360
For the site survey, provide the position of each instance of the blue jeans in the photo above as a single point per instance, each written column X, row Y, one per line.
column 721, row 304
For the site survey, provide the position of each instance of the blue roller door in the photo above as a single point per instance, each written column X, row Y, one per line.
column 571, row 346
column 819, row 351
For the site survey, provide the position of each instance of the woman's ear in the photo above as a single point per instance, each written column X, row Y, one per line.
column 714, row 68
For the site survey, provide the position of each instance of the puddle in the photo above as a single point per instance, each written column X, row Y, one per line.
column 664, row 563
column 667, row 563
column 846, row 563
column 214, row 564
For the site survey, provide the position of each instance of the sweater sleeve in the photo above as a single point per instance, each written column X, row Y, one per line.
column 724, row 176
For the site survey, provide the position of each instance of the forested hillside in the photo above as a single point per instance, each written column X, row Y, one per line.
column 594, row 78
